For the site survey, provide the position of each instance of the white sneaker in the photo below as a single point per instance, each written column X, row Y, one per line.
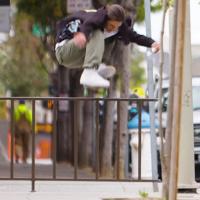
column 106, row 71
column 91, row 78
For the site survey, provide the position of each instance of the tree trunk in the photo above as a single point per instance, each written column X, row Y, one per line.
column 168, row 134
column 65, row 143
column 123, row 55
column 118, row 56
column 85, row 153
column 164, row 149
column 107, row 132
column 76, row 119
column 63, row 115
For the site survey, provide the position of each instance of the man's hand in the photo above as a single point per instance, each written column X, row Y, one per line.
column 80, row 40
column 155, row 47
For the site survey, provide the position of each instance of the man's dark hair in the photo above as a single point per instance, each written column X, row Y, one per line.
column 115, row 12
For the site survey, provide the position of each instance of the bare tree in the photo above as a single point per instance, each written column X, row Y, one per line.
column 166, row 157
column 164, row 149
column 119, row 56
column 123, row 67
column 85, row 153
column 106, row 167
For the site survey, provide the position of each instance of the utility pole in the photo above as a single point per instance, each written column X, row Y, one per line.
column 186, row 175
column 151, row 93
column 178, row 85
column 168, row 134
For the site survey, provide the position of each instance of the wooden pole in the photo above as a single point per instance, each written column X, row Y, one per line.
column 168, row 133
column 186, row 176
column 174, row 165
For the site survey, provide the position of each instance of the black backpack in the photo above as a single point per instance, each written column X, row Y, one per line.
column 61, row 30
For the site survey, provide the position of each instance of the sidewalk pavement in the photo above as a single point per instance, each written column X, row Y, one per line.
column 58, row 190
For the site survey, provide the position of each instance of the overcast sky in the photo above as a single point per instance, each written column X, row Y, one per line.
column 156, row 19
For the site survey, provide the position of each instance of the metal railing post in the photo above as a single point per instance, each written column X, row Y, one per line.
column 54, row 137
column 12, row 135
column 75, row 141
column 33, row 146
column 140, row 140
column 118, row 142
column 97, row 140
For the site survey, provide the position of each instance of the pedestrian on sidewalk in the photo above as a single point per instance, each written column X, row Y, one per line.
column 23, row 121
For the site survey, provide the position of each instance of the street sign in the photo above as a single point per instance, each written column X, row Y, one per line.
column 76, row 5
column 4, row 16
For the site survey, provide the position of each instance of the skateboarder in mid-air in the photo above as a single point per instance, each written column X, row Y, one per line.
column 83, row 39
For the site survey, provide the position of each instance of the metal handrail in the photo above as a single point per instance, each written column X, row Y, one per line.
column 97, row 153
column 81, row 98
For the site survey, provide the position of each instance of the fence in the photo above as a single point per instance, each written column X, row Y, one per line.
column 75, row 177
